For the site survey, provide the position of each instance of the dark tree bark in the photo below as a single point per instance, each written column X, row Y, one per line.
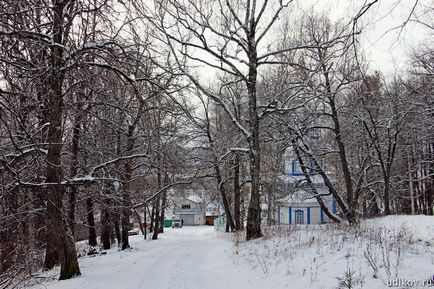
column 350, row 214
column 220, row 182
column 253, row 228
column 331, row 188
column 237, row 194
column 74, row 168
column 117, row 228
column 91, row 222
column 145, row 221
column 61, row 238
column 156, row 218
column 163, row 205
column 107, row 227
column 312, row 185
column 126, row 203
column 126, row 191
column 152, row 217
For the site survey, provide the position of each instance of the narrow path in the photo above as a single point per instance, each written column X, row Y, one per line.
column 187, row 258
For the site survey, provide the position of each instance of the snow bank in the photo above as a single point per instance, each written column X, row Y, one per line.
column 420, row 227
column 370, row 255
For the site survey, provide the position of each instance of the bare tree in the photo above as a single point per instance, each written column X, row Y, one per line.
column 233, row 41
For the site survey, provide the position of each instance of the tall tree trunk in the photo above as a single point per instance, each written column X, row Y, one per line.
column 237, row 194
column 157, row 218
column 126, row 191
column 118, row 228
column 61, row 237
column 152, row 217
column 311, row 185
column 71, row 209
column 253, row 228
column 91, row 222
column 220, row 183
column 350, row 214
column 344, row 208
column 74, row 168
column 163, row 205
column 145, row 221
column 106, row 226
column 31, row 222
column 386, row 193
column 125, row 217
column 230, row 226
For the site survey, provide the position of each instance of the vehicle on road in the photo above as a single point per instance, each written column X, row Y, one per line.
column 177, row 223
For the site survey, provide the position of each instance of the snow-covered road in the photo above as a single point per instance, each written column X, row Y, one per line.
column 187, row 258
column 295, row 257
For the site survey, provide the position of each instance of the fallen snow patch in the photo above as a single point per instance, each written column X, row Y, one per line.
column 370, row 255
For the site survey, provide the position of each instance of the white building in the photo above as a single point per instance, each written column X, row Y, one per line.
column 300, row 206
column 191, row 210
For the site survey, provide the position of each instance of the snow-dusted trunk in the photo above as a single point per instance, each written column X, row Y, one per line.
column 76, row 132
column 163, row 205
column 126, row 190
column 156, row 218
column 59, row 235
column 151, row 217
column 237, row 194
column 253, row 228
column 350, row 214
column 218, row 174
column 90, row 222
column 158, row 199
column 223, row 194
column 125, row 216
column 312, row 186
column 106, row 225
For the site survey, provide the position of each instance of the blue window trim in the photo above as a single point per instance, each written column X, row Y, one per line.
column 290, row 215
column 308, row 215
column 294, row 173
column 297, row 211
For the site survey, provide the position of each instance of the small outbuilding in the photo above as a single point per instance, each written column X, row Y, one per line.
column 191, row 210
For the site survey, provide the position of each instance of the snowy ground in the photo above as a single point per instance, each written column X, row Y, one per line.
column 187, row 258
column 379, row 251
column 288, row 257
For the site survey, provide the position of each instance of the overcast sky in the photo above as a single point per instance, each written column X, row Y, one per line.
column 385, row 44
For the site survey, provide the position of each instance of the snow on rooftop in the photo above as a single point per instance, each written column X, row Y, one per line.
column 195, row 199
column 303, row 196
column 291, row 179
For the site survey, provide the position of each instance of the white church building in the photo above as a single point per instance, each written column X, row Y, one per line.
column 299, row 206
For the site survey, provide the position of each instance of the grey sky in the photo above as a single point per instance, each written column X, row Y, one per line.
column 385, row 44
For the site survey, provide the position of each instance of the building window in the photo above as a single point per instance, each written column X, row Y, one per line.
column 186, row 207
column 299, row 215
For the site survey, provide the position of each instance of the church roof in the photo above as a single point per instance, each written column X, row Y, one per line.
column 304, row 196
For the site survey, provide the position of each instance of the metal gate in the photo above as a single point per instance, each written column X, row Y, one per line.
column 188, row 219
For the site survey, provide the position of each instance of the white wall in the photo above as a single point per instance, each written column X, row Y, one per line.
column 199, row 219
column 315, row 215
